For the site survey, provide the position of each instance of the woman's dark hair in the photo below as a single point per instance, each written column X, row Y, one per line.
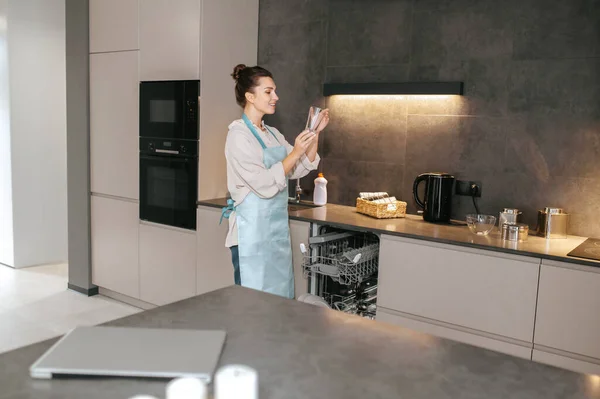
column 246, row 79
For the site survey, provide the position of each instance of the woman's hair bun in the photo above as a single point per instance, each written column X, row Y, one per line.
column 237, row 70
column 246, row 79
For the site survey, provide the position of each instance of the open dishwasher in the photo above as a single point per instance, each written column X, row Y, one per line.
column 341, row 268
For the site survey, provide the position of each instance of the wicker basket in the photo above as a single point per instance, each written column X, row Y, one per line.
column 396, row 209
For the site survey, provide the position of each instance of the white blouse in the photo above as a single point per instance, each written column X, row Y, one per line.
column 247, row 173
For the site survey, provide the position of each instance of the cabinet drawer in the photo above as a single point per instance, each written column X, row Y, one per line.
column 214, row 268
column 114, row 229
column 439, row 330
column 566, row 362
column 568, row 314
column 473, row 289
column 167, row 264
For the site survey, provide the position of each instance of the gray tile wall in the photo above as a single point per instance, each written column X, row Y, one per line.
column 528, row 126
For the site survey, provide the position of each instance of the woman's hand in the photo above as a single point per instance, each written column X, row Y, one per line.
column 303, row 141
column 311, row 152
column 324, row 121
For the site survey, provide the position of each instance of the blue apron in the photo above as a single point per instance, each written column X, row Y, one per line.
column 265, row 249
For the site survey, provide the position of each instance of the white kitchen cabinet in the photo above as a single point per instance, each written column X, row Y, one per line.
column 113, row 25
column 489, row 292
column 115, row 263
column 167, row 264
column 229, row 37
column 567, row 361
column 170, row 37
column 114, row 124
column 299, row 233
column 454, row 333
column 183, row 39
column 568, row 312
column 214, row 268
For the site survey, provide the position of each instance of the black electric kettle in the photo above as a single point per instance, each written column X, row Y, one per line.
column 437, row 204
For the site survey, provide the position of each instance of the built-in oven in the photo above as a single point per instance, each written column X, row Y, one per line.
column 169, row 109
column 169, row 181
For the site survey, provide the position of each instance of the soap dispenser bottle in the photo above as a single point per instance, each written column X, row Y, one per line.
column 320, row 193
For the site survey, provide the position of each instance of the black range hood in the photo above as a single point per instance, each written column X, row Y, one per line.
column 398, row 88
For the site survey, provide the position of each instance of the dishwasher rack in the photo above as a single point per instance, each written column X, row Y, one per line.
column 348, row 258
column 358, row 299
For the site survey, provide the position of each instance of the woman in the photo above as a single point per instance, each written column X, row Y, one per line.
column 259, row 163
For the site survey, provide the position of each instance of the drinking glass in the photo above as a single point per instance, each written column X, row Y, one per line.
column 315, row 117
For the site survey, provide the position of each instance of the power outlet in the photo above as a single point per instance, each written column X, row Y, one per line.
column 468, row 188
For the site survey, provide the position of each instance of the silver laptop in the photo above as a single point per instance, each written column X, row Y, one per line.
column 133, row 352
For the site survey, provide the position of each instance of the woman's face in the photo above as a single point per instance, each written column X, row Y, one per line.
column 264, row 97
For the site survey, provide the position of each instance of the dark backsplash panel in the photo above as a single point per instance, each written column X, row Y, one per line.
column 528, row 126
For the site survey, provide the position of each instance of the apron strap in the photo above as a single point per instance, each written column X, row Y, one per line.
column 226, row 211
column 255, row 133
column 273, row 134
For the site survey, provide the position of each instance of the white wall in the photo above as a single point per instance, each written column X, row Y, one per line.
column 38, row 130
column 6, row 216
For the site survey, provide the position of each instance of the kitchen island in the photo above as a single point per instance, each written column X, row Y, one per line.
column 302, row 351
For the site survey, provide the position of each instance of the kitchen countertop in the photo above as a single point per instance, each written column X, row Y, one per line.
column 413, row 226
column 303, row 351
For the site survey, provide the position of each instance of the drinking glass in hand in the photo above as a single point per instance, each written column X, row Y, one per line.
column 315, row 117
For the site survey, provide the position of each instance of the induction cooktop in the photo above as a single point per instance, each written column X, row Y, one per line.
column 589, row 249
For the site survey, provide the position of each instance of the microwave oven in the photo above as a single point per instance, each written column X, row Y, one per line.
column 169, row 109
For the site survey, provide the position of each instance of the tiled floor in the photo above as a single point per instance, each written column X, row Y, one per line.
column 35, row 305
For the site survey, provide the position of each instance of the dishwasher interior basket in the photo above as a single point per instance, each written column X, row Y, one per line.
column 347, row 257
